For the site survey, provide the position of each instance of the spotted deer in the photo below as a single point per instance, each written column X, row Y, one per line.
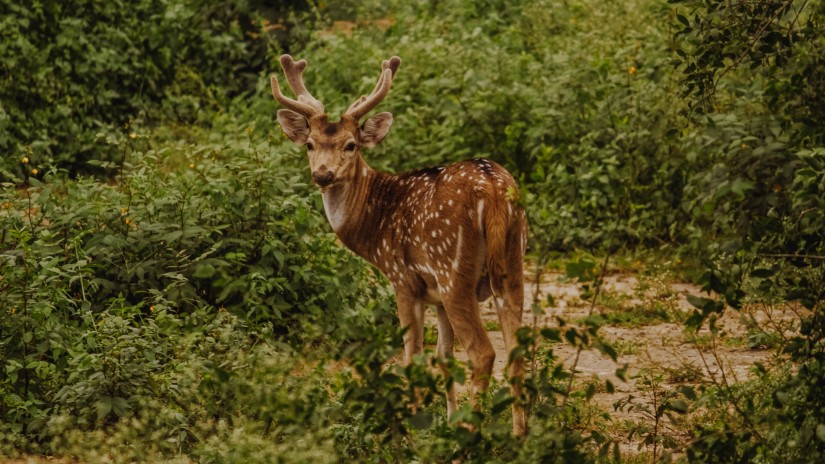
column 446, row 236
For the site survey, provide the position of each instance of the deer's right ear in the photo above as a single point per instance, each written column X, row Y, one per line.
column 295, row 126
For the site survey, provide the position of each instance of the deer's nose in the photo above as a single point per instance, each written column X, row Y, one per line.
column 323, row 177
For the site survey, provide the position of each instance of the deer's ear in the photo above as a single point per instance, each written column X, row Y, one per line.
column 375, row 129
column 295, row 126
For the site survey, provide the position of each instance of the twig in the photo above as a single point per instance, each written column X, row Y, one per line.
column 756, row 37
column 599, row 282
column 725, row 388
column 796, row 18
column 791, row 255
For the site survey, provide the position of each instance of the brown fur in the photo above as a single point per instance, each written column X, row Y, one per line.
column 448, row 236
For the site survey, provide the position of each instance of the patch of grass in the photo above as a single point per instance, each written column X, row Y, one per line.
column 625, row 347
column 685, row 373
column 705, row 341
column 734, row 342
column 613, row 300
column 586, row 413
column 759, row 339
column 637, row 316
column 430, row 335
column 702, row 342
column 492, row 326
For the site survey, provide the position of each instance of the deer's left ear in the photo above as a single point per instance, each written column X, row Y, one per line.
column 375, row 129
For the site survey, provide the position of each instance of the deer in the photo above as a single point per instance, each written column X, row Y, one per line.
column 449, row 236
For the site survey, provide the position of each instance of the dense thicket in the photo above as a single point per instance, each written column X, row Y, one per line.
column 164, row 264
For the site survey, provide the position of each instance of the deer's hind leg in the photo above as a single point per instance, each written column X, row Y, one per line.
column 461, row 308
column 510, row 315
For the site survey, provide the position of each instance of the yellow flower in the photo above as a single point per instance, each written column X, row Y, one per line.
column 25, row 160
column 34, row 172
column 744, row 146
column 248, row 131
column 132, row 136
column 631, row 70
column 127, row 221
column 192, row 165
column 124, row 210
column 151, row 309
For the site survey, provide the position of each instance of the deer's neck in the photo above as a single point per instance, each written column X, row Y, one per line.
column 357, row 210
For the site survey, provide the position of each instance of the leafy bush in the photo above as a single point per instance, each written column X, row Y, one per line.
column 75, row 69
column 192, row 296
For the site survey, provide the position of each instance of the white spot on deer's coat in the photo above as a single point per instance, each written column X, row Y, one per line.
column 457, row 259
column 364, row 172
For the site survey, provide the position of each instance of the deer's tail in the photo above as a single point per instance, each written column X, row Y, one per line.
column 496, row 222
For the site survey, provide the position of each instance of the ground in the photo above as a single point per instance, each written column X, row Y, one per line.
column 645, row 317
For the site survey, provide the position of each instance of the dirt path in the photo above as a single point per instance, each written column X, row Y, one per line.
column 645, row 317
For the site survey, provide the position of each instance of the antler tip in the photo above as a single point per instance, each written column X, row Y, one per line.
column 392, row 64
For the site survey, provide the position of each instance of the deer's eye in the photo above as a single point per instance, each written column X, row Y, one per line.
column 310, row 146
column 350, row 147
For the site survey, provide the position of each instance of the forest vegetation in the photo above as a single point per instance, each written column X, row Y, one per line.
column 170, row 289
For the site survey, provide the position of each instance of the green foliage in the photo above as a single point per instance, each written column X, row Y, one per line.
column 663, row 404
column 74, row 69
column 191, row 301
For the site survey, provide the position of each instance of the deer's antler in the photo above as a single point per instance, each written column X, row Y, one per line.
column 364, row 104
column 306, row 104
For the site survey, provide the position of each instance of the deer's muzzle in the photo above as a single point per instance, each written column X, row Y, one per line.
column 322, row 179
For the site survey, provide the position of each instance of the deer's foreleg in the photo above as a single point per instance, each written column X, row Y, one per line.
column 411, row 316
column 444, row 350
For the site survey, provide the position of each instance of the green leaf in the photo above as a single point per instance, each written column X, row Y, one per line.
column 204, row 271
column 103, row 406
column 422, row 420
column 679, row 406
column 120, row 406
column 700, row 302
column 622, row 372
column 502, row 405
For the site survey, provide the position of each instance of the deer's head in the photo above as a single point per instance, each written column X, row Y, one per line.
column 333, row 148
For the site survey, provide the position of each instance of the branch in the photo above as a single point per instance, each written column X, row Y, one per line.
column 756, row 38
column 791, row 255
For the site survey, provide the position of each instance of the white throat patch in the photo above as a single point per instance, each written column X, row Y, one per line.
column 335, row 207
